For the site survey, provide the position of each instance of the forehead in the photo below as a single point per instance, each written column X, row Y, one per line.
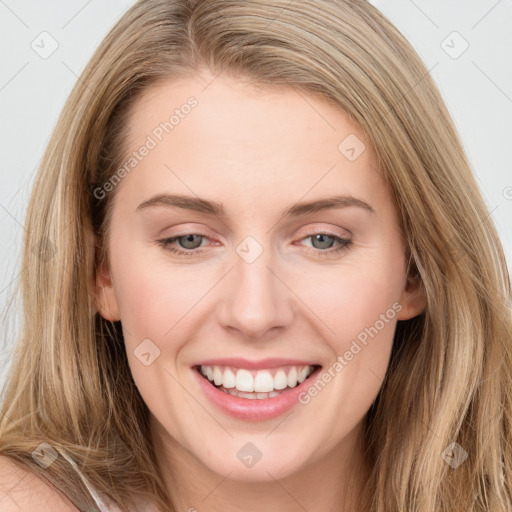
column 248, row 140
column 240, row 112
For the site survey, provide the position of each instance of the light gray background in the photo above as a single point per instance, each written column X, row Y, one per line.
column 476, row 85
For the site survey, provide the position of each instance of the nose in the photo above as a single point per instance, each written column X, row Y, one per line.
column 256, row 298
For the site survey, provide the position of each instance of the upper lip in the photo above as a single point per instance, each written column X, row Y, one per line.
column 269, row 362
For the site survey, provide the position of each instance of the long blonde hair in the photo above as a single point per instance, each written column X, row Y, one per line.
column 449, row 378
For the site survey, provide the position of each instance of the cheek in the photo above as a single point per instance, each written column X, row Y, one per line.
column 153, row 296
column 146, row 303
column 360, row 309
column 353, row 297
column 358, row 304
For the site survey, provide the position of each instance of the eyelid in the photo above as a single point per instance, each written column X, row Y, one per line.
column 343, row 243
column 345, row 233
column 307, row 232
column 327, row 231
column 187, row 229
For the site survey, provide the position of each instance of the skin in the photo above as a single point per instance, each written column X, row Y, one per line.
column 256, row 153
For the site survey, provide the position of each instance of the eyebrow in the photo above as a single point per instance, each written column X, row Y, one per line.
column 214, row 208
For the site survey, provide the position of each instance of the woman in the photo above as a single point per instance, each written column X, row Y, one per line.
column 273, row 281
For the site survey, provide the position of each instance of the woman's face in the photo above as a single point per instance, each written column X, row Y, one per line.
column 290, row 261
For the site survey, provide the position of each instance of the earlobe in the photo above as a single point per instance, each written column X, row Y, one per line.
column 106, row 301
column 413, row 299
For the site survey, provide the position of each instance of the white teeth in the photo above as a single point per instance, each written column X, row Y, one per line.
column 280, row 381
column 303, row 373
column 244, row 381
column 258, row 384
column 250, row 396
column 292, row 377
column 264, row 382
column 228, row 379
column 217, row 376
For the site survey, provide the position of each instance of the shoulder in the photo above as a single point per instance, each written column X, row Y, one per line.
column 21, row 490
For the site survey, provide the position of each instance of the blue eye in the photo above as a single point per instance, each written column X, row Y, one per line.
column 189, row 240
column 321, row 238
column 187, row 244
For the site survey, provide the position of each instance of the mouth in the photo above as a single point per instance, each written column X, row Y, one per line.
column 261, row 384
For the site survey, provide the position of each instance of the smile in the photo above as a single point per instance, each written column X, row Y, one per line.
column 255, row 394
column 256, row 384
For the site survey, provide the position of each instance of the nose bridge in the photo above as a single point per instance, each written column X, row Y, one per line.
column 256, row 300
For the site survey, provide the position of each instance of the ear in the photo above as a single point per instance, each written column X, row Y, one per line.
column 413, row 298
column 106, row 301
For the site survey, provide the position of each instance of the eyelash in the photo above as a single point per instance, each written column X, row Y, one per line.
column 345, row 243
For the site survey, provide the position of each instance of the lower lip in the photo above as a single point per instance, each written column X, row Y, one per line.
column 257, row 409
